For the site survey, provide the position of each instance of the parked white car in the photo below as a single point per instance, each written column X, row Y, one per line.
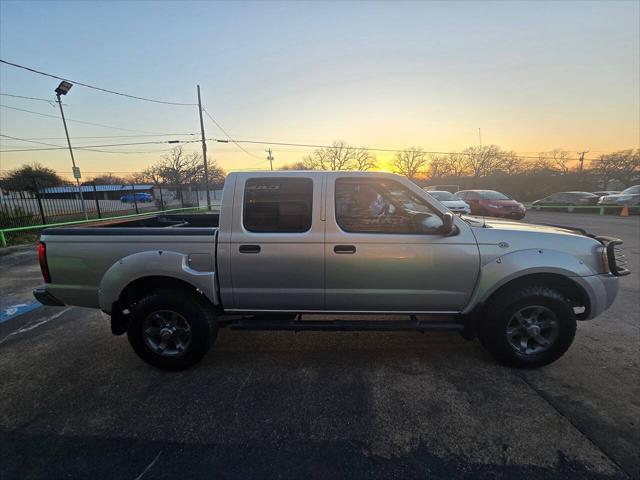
column 449, row 200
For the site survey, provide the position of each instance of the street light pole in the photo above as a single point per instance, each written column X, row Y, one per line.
column 76, row 171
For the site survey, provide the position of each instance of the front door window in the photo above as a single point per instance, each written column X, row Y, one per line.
column 382, row 206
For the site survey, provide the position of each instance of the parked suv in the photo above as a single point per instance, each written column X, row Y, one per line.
column 628, row 197
column 492, row 204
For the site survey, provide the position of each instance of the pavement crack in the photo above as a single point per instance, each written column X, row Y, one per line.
column 240, row 389
column 549, row 402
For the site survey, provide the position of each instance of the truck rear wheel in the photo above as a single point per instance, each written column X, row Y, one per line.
column 171, row 330
column 528, row 326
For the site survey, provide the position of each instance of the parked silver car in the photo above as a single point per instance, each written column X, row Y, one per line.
column 290, row 243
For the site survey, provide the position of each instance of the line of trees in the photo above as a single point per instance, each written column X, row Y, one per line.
column 475, row 167
column 489, row 166
column 176, row 168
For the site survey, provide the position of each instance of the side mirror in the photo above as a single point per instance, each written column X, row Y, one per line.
column 447, row 223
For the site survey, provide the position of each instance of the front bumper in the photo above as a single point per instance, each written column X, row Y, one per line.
column 45, row 298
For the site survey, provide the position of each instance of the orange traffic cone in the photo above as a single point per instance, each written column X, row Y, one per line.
column 624, row 212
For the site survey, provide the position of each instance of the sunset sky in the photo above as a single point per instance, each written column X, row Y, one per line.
column 532, row 76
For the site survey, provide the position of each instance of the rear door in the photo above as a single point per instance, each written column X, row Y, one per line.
column 276, row 248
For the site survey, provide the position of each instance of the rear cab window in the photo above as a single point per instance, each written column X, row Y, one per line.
column 278, row 205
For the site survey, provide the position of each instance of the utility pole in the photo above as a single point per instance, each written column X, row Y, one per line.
column 269, row 157
column 581, row 171
column 63, row 89
column 582, row 160
column 480, row 137
column 204, row 154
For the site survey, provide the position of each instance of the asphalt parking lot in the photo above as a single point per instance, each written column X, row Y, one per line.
column 75, row 401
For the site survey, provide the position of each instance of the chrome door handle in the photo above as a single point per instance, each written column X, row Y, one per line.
column 344, row 249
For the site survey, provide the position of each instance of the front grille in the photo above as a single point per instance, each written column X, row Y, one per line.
column 620, row 259
column 616, row 257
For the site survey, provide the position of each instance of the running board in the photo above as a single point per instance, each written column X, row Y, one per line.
column 347, row 325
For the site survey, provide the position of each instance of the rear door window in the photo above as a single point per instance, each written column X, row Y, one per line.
column 278, row 205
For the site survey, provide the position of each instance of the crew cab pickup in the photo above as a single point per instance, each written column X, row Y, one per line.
column 286, row 244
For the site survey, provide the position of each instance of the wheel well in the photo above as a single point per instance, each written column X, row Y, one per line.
column 145, row 285
column 570, row 289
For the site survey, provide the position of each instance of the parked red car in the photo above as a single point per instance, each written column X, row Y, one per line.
column 492, row 204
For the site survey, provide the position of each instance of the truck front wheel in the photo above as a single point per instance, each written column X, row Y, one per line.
column 528, row 326
column 171, row 330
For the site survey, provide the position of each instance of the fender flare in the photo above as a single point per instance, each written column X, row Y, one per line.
column 153, row 263
column 506, row 268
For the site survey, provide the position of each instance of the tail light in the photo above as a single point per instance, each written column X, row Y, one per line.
column 42, row 258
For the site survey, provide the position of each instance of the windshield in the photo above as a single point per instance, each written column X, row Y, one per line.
column 443, row 196
column 632, row 190
column 493, row 195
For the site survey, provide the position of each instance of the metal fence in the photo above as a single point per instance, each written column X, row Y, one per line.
column 28, row 204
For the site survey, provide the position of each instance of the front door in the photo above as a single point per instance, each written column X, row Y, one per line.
column 384, row 250
column 276, row 247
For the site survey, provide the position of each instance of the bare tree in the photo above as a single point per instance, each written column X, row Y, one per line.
column 509, row 163
column 178, row 167
column 623, row 166
column 296, row 166
column 541, row 165
column 108, row 179
column 411, row 162
column 482, row 161
column 449, row 165
column 340, row 156
column 554, row 161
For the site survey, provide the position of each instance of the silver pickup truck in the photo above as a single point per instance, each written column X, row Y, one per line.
column 286, row 244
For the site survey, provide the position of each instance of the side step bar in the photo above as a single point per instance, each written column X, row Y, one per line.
column 347, row 325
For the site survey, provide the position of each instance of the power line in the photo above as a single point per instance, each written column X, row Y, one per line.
column 98, row 146
column 80, row 147
column 50, row 102
column 229, row 136
column 33, row 70
column 84, row 171
column 114, row 136
column 76, row 121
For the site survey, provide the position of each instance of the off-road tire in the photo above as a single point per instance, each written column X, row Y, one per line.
column 197, row 313
column 500, row 311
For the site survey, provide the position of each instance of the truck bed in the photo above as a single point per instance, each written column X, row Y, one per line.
column 80, row 257
column 149, row 225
